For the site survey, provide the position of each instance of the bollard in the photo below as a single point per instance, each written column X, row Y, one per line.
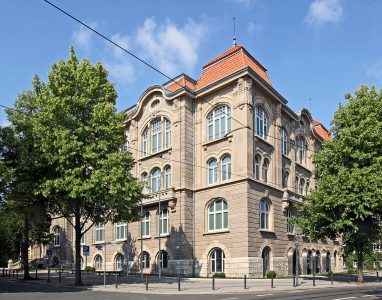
column 116, row 280
column 314, row 278
column 36, row 273
column 331, row 277
column 17, row 274
column 213, row 283
column 245, row 282
column 48, row 276
column 147, row 283
column 59, row 277
column 272, row 283
column 377, row 277
column 294, row 280
column 179, row 283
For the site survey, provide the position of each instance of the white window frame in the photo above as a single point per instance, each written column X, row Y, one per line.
column 300, row 149
column 57, row 236
column 265, row 170
column 167, row 177
column 155, row 180
column 98, row 262
column 168, row 133
column 120, row 231
column 261, row 122
column 212, row 171
column 226, row 167
column 160, row 257
column 264, row 211
column 156, row 135
column 214, row 212
column 83, row 235
column 219, row 122
column 145, row 141
column 217, row 254
column 119, row 261
column 145, row 260
column 146, row 225
column 164, row 222
column 100, row 232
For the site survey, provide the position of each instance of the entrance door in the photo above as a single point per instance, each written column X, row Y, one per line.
column 265, row 257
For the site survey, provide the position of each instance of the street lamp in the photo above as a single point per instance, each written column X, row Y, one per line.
column 296, row 243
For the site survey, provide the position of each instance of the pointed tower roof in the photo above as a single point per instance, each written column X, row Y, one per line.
column 234, row 59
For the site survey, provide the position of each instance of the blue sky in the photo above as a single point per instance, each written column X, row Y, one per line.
column 316, row 49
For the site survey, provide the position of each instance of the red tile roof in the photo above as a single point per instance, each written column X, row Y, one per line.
column 231, row 61
column 183, row 81
column 321, row 130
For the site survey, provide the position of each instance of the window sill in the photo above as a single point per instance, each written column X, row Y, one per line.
column 291, row 234
column 216, row 232
column 56, row 246
column 263, row 139
column 286, row 157
column 154, row 154
column 162, row 236
column 144, row 237
column 120, row 240
column 227, row 136
column 99, row 243
column 266, row 231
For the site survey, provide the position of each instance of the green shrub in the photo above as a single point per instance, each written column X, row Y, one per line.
column 89, row 269
column 219, row 275
column 271, row 274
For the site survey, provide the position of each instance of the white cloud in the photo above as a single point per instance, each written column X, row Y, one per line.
column 123, row 41
column 82, row 37
column 375, row 70
column 253, row 28
column 324, row 11
column 121, row 71
column 172, row 48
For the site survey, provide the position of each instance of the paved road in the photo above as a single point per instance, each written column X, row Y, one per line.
column 32, row 291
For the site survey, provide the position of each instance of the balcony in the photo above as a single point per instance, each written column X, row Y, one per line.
column 167, row 195
column 290, row 198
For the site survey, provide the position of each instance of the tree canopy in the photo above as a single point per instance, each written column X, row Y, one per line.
column 348, row 202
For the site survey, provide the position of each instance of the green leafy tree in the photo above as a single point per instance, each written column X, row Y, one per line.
column 80, row 134
column 24, row 213
column 348, row 202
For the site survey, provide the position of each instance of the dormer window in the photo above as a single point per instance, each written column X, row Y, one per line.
column 155, row 104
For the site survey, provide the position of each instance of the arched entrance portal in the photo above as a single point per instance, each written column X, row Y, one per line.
column 328, row 262
column 309, row 262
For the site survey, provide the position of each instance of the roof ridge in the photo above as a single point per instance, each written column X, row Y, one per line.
column 230, row 51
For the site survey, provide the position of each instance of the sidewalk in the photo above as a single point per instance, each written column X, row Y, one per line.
column 169, row 285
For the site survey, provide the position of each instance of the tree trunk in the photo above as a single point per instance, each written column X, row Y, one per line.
column 360, row 265
column 77, row 229
column 25, row 246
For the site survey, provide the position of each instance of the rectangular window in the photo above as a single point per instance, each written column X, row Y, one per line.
column 120, row 231
column 290, row 227
column 168, row 134
column 163, row 222
column 83, row 237
column 100, row 232
column 156, row 135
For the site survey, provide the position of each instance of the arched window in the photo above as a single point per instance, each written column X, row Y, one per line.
column 145, row 260
column 284, row 142
column 219, row 122
column 155, row 180
column 265, row 170
column 301, row 186
column 265, row 255
column 300, row 150
column 163, row 259
column 168, row 134
column 260, row 122
column 226, row 167
column 327, row 262
column 120, row 231
column 98, row 262
column 145, row 180
column 217, row 260
column 167, row 177
column 285, row 179
column 145, row 140
column 163, row 221
column 318, row 262
column 57, row 236
column 307, row 187
column 257, row 167
column 119, row 261
column 290, row 227
column 156, row 135
column 309, row 263
column 212, row 171
column 146, row 224
column 218, row 215
column 264, row 214
column 100, row 232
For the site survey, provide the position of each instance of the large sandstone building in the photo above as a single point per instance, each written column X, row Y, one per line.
column 225, row 162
